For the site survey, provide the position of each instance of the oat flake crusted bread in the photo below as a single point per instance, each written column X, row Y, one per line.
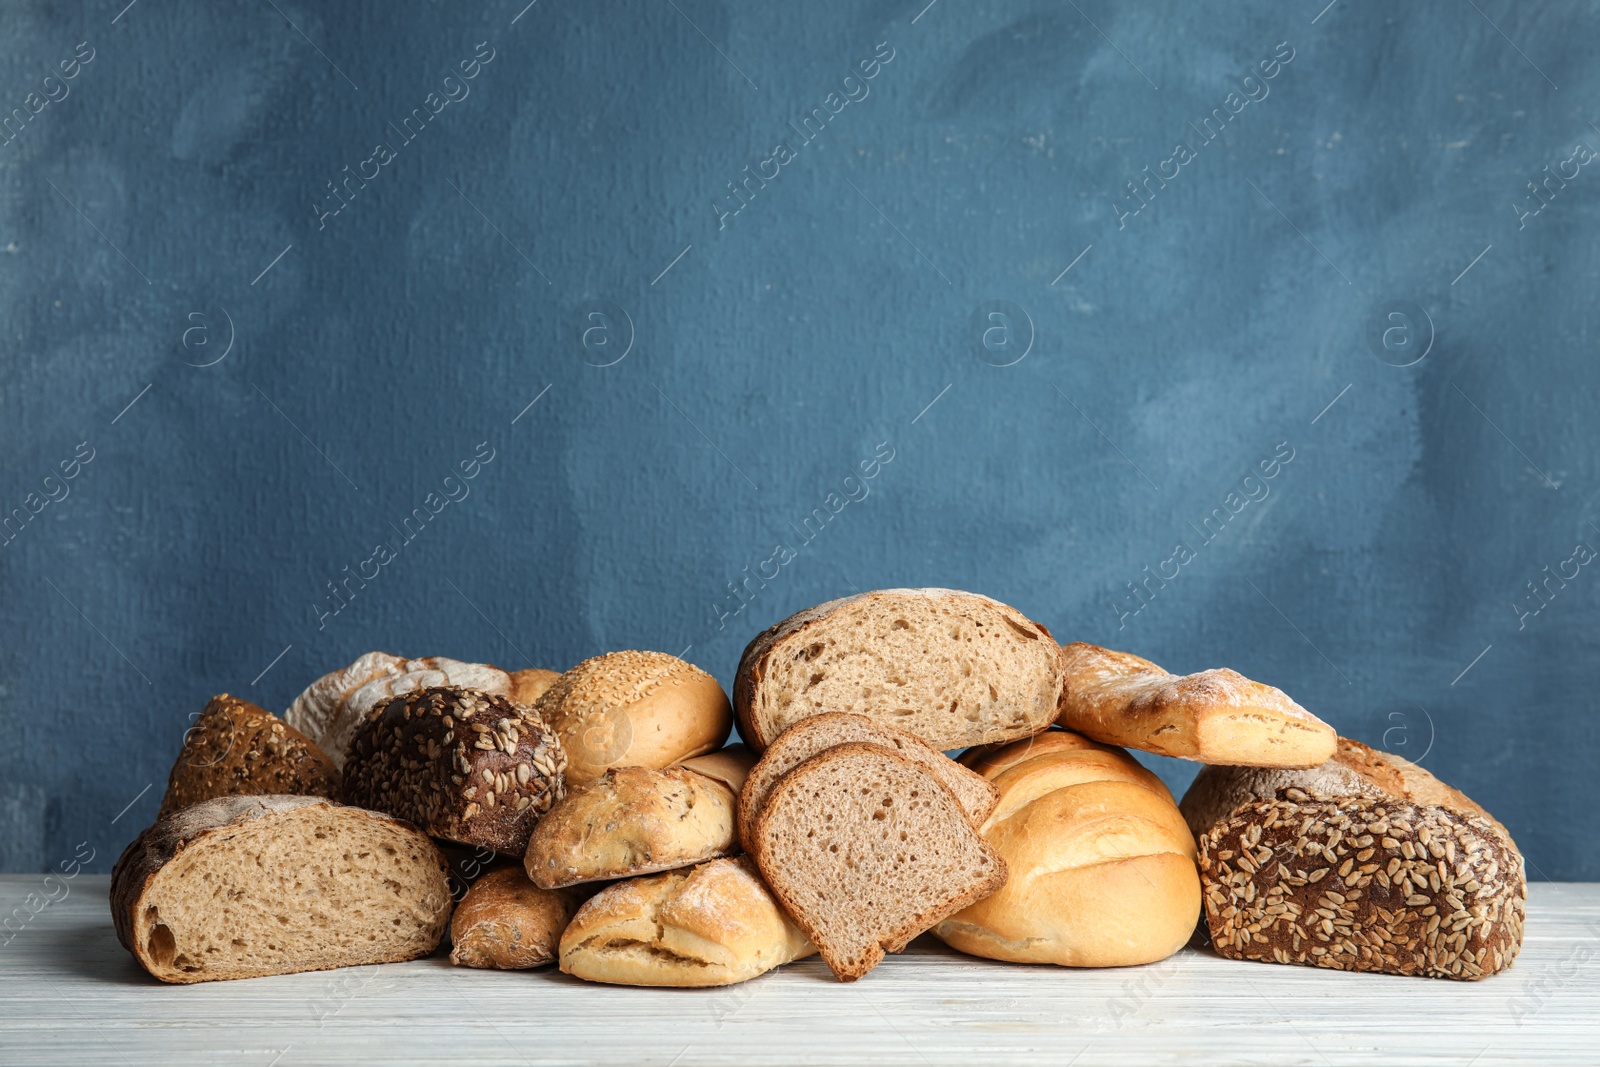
column 952, row 668
column 238, row 749
column 1365, row 863
column 240, row 887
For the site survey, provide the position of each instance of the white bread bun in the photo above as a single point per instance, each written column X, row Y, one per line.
column 1102, row 866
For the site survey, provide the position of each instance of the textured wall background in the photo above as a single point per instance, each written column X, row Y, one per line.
column 569, row 205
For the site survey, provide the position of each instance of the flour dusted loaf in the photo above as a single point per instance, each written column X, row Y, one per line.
column 1102, row 865
column 636, row 709
column 1364, row 863
column 952, row 668
column 237, row 749
column 632, row 821
column 333, row 706
column 240, row 887
column 1215, row 716
column 866, row 849
column 507, row 923
column 464, row 765
column 710, row 925
column 818, row 733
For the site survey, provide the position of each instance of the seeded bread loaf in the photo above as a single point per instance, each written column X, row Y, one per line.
column 240, row 887
column 1216, row 716
column 866, row 849
column 1365, row 863
column 711, row 925
column 632, row 821
column 636, row 709
column 330, row 708
column 1102, row 865
column 237, row 749
column 810, row 736
column 507, row 923
column 464, row 765
column 952, row 668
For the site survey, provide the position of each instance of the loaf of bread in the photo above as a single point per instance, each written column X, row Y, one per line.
column 1216, row 716
column 1365, row 863
column 730, row 766
column 952, row 668
column 237, row 749
column 1102, row 865
column 711, row 925
column 240, row 887
column 634, row 709
column 529, row 685
column 464, row 765
column 866, row 849
column 333, row 706
column 632, row 821
column 810, row 736
column 507, row 923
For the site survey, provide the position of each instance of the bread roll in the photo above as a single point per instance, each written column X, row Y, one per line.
column 240, row 887
column 529, row 685
column 331, row 707
column 636, row 709
column 730, row 766
column 1365, row 863
column 1102, row 865
column 952, row 668
column 238, row 749
column 715, row 924
column 507, row 923
column 632, row 821
column 1216, row 716
column 464, row 765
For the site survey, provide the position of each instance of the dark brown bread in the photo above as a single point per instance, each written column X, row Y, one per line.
column 507, row 923
column 238, row 749
column 464, row 765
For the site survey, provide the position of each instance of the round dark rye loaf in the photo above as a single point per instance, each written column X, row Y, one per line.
column 238, row 749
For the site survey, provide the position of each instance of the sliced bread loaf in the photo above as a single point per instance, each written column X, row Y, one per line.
column 952, row 668
column 810, row 736
column 866, row 849
column 240, row 887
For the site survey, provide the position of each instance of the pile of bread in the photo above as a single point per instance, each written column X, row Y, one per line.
column 595, row 819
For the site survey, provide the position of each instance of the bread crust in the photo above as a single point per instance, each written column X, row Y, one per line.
column 757, row 657
column 464, row 765
column 238, row 749
column 632, row 821
column 1214, row 716
column 507, row 923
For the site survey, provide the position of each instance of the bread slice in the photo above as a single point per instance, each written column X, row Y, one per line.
column 952, row 668
column 240, row 887
column 1215, row 716
column 237, row 749
column 866, row 849
column 810, row 736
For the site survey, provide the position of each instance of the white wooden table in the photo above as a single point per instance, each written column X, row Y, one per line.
column 70, row 994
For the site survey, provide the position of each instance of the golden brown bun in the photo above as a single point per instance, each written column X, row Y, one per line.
column 529, row 685
column 507, row 923
column 730, row 766
column 712, row 925
column 1216, row 716
column 237, row 749
column 631, row 821
column 1102, row 865
column 635, row 709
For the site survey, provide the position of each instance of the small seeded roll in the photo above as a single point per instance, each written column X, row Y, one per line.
column 507, row 923
column 237, row 749
column 463, row 765
column 636, row 709
column 631, row 821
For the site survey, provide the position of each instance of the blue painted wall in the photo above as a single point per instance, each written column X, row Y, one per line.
column 1055, row 379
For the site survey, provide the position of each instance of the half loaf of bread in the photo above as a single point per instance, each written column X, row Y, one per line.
column 240, row 887
column 237, row 749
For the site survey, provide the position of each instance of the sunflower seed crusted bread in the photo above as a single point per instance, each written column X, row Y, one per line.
column 464, row 765
column 237, row 749
column 240, row 887
column 952, row 668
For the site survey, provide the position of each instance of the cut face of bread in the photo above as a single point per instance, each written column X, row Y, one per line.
column 952, row 668
column 810, row 736
column 866, row 849
column 1216, row 716
column 246, row 886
